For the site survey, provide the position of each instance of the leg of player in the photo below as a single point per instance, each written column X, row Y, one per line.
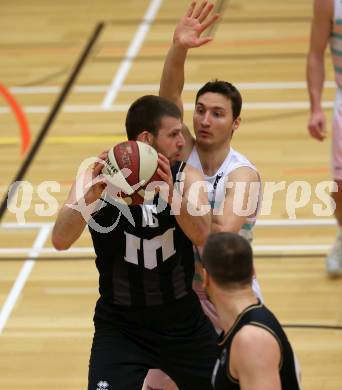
column 190, row 362
column 334, row 259
column 117, row 361
column 157, row 379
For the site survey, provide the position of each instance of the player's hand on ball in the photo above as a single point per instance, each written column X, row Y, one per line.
column 164, row 172
column 97, row 185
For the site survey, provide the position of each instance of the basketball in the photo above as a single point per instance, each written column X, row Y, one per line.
column 130, row 167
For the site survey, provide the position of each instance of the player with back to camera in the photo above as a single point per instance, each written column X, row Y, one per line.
column 147, row 314
column 215, row 119
column 255, row 352
column 326, row 26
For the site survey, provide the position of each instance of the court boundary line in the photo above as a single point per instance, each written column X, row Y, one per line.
column 131, row 53
column 45, row 228
column 299, row 222
column 92, row 108
column 12, row 188
column 99, row 88
column 23, row 275
column 258, row 249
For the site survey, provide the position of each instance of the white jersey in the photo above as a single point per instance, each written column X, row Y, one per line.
column 217, row 183
column 336, row 51
column 216, row 194
column 336, row 42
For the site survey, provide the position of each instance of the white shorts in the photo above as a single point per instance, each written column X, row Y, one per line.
column 336, row 145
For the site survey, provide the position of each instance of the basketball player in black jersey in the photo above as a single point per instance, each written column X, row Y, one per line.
column 255, row 352
column 147, row 315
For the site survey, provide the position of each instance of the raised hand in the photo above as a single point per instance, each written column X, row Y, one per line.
column 193, row 23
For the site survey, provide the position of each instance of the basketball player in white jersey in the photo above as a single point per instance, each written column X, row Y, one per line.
column 327, row 28
column 216, row 118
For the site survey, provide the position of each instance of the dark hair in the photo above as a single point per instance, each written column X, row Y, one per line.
column 228, row 259
column 146, row 113
column 226, row 89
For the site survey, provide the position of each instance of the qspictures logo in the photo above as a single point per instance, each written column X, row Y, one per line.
column 247, row 199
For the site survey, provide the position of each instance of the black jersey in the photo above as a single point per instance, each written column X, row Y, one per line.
column 256, row 315
column 145, row 263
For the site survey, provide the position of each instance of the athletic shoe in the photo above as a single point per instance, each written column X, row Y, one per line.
column 334, row 258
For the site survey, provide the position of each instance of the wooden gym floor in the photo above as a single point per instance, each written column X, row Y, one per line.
column 46, row 303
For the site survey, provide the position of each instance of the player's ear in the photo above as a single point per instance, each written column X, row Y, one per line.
column 236, row 123
column 145, row 136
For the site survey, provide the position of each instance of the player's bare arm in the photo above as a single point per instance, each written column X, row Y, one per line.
column 188, row 200
column 70, row 222
column 187, row 35
column 243, row 188
column 255, row 359
column 320, row 34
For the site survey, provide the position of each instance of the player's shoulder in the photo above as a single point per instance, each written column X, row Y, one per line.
column 192, row 173
column 251, row 342
column 253, row 335
column 244, row 174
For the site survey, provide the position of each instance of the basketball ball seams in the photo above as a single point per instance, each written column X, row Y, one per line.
column 149, row 162
column 112, row 169
column 142, row 162
column 124, row 154
column 137, row 163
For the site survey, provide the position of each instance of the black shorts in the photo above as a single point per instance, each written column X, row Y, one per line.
column 179, row 339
